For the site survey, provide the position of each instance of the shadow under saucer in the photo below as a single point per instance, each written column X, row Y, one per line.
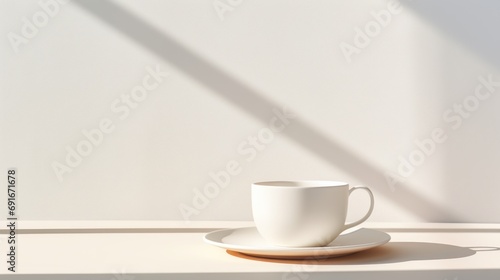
column 392, row 252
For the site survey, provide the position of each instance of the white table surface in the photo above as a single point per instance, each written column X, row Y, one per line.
column 133, row 250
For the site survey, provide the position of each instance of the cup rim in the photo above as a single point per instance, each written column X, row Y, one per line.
column 301, row 184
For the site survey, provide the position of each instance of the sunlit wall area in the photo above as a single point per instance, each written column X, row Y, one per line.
column 169, row 110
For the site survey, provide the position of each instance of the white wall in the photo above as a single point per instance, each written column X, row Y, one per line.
column 353, row 121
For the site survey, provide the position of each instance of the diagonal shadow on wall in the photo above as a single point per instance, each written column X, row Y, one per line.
column 259, row 107
column 469, row 36
column 473, row 24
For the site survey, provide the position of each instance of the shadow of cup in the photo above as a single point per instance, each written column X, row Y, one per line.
column 392, row 252
column 395, row 252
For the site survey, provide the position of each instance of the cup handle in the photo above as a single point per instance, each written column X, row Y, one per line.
column 372, row 201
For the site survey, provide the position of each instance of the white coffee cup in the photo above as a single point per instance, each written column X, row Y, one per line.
column 303, row 213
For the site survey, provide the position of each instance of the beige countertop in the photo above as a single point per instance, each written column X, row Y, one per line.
column 133, row 250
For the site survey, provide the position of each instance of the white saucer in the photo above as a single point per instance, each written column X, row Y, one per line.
column 248, row 241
